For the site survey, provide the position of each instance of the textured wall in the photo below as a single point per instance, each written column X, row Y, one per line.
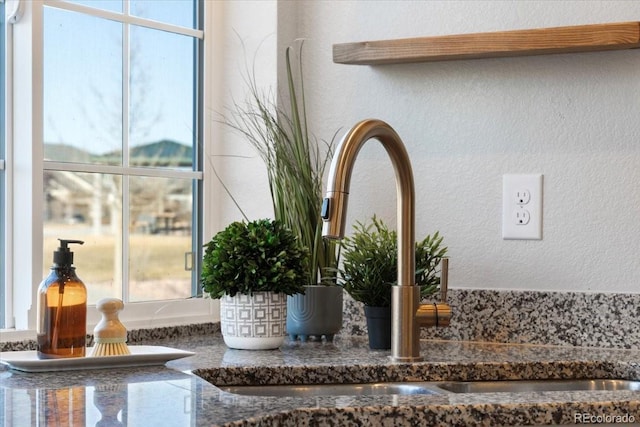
column 574, row 118
column 243, row 42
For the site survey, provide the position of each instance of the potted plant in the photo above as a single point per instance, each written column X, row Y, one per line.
column 295, row 161
column 252, row 267
column 370, row 268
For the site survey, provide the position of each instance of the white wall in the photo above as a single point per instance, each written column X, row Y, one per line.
column 244, row 41
column 574, row 118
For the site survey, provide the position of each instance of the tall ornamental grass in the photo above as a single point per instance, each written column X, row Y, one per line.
column 295, row 161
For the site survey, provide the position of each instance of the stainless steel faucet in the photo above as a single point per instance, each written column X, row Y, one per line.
column 407, row 314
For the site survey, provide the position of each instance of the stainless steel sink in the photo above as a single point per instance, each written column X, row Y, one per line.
column 314, row 390
column 426, row 388
column 519, row 386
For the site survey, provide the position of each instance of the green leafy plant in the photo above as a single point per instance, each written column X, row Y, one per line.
column 370, row 263
column 257, row 256
column 295, row 162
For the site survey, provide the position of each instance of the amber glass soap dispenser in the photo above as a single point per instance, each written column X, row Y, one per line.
column 62, row 308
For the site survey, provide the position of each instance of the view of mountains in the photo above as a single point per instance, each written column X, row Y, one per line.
column 161, row 153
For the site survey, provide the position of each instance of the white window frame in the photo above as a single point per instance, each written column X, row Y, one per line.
column 3, row 153
column 25, row 173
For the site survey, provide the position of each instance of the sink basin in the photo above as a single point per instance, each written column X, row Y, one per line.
column 314, row 390
column 538, row 385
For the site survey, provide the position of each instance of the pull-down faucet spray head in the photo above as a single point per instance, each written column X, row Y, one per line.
column 334, row 206
column 334, row 213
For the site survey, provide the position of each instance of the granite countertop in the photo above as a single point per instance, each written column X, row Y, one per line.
column 181, row 392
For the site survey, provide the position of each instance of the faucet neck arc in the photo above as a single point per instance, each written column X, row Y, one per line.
column 340, row 180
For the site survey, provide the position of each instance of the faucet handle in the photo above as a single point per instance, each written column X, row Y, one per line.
column 444, row 278
column 434, row 314
column 437, row 314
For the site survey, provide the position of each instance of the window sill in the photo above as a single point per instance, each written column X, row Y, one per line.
column 143, row 316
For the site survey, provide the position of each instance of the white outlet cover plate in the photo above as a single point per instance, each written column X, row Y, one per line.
column 512, row 184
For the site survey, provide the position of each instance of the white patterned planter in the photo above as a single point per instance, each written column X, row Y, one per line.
column 254, row 322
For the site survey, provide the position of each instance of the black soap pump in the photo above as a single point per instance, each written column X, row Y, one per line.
column 62, row 308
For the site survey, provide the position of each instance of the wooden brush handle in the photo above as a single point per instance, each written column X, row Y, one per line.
column 110, row 326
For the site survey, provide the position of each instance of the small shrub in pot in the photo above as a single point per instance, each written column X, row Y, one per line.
column 370, row 268
column 254, row 262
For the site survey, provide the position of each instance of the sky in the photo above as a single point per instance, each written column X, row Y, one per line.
column 83, row 63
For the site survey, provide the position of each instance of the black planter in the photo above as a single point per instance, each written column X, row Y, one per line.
column 379, row 327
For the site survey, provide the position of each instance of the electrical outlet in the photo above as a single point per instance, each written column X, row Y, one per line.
column 522, row 207
column 523, row 196
column 522, row 216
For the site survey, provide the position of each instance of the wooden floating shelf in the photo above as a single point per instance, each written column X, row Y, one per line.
column 542, row 41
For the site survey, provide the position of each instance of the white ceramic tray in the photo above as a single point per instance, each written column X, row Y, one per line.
column 141, row 355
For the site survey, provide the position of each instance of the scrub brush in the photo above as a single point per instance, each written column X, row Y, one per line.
column 110, row 335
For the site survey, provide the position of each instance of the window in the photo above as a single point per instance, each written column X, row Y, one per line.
column 120, row 149
column 115, row 147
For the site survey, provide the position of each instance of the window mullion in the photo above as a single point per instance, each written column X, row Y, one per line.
column 126, row 72
column 124, row 241
column 119, row 170
column 126, row 114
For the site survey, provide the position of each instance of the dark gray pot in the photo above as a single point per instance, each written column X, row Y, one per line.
column 379, row 327
column 315, row 314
